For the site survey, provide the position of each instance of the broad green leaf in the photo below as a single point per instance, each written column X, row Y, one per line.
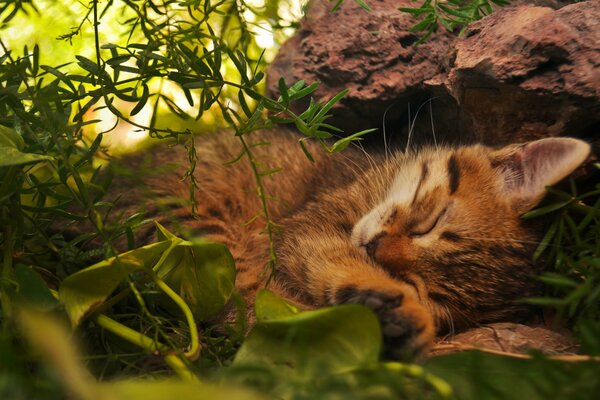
column 308, row 343
column 54, row 347
column 203, row 273
column 10, row 156
column 172, row 389
column 162, row 233
column 10, row 138
column 90, row 287
column 269, row 306
column 475, row 375
column 33, row 289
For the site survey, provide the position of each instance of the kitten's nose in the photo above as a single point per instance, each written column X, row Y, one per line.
column 371, row 246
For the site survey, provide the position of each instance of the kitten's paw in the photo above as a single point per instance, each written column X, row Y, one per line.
column 407, row 326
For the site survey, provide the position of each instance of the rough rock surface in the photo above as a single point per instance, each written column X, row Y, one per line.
column 370, row 53
column 527, row 72
column 509, row 338
column 523, row 72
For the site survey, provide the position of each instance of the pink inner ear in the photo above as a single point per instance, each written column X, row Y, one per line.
column 548, row 161
column 528, row 169
column 543, row 154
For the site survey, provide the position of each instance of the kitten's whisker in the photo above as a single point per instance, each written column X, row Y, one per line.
column 431, row 120
column 377, row 167
column 409, row 130
column 412, row 122
column 386, row 143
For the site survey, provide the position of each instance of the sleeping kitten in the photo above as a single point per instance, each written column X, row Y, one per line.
column 430, row 241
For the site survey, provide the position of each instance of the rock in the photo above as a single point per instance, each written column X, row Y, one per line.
column 529, row 72
column 522, row 73
column 509, row 338
column 370, row 53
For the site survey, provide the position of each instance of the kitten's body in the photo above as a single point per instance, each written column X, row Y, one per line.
column 427, row 240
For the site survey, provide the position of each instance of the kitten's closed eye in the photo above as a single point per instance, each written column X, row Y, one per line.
column 428, row 225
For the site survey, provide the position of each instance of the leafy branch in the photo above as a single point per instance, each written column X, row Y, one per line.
column 451, row 14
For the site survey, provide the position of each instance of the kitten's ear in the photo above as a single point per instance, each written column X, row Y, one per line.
column 525, row 170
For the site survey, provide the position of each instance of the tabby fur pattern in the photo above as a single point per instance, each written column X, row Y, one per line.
column 431, row 241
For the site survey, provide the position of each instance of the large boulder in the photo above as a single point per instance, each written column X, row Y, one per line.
column 370, row 53
column 523, row 72
column 526, row 72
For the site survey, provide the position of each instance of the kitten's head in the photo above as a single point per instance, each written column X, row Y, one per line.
column 450, row 223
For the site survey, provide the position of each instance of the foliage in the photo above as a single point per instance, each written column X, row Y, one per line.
column 146, row 312
column 571, row 250
column 451, row 14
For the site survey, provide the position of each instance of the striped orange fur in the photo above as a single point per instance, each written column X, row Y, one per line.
column 430, row 240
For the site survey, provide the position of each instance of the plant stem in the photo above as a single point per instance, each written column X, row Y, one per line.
column 172, row 359
column 265, row 209
column 194, row 350
column 416, row 371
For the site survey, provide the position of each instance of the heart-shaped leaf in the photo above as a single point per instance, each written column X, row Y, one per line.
column 309, row 343
column 90, row 287
column 203, row 273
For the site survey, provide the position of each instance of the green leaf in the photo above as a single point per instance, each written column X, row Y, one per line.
column 172, row 389
column 10, row 138
column 548, row 236
column 538, row 212
column 10, row 156
column 337, row 5
column 309, row 343
column 52, row 343
column 305, row 149
column 202, row 272
column 363, row 5
column 343, row 143
column 269, row 306
column 60, row 76
column 88, row 65
column 416, row 11
column 90, row 287
column 283, row 91
column 425, row 24
column 325, row 109
column 296, row 94
column 244, row 104
column 195, row 85
column 33, row 289
column 452, row 11
column 257, row 78
column 143, row 100
column 475, row 375
column 557, row 280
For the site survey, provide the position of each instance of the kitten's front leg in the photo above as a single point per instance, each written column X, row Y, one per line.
column 407, row 327
column 331, row 271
